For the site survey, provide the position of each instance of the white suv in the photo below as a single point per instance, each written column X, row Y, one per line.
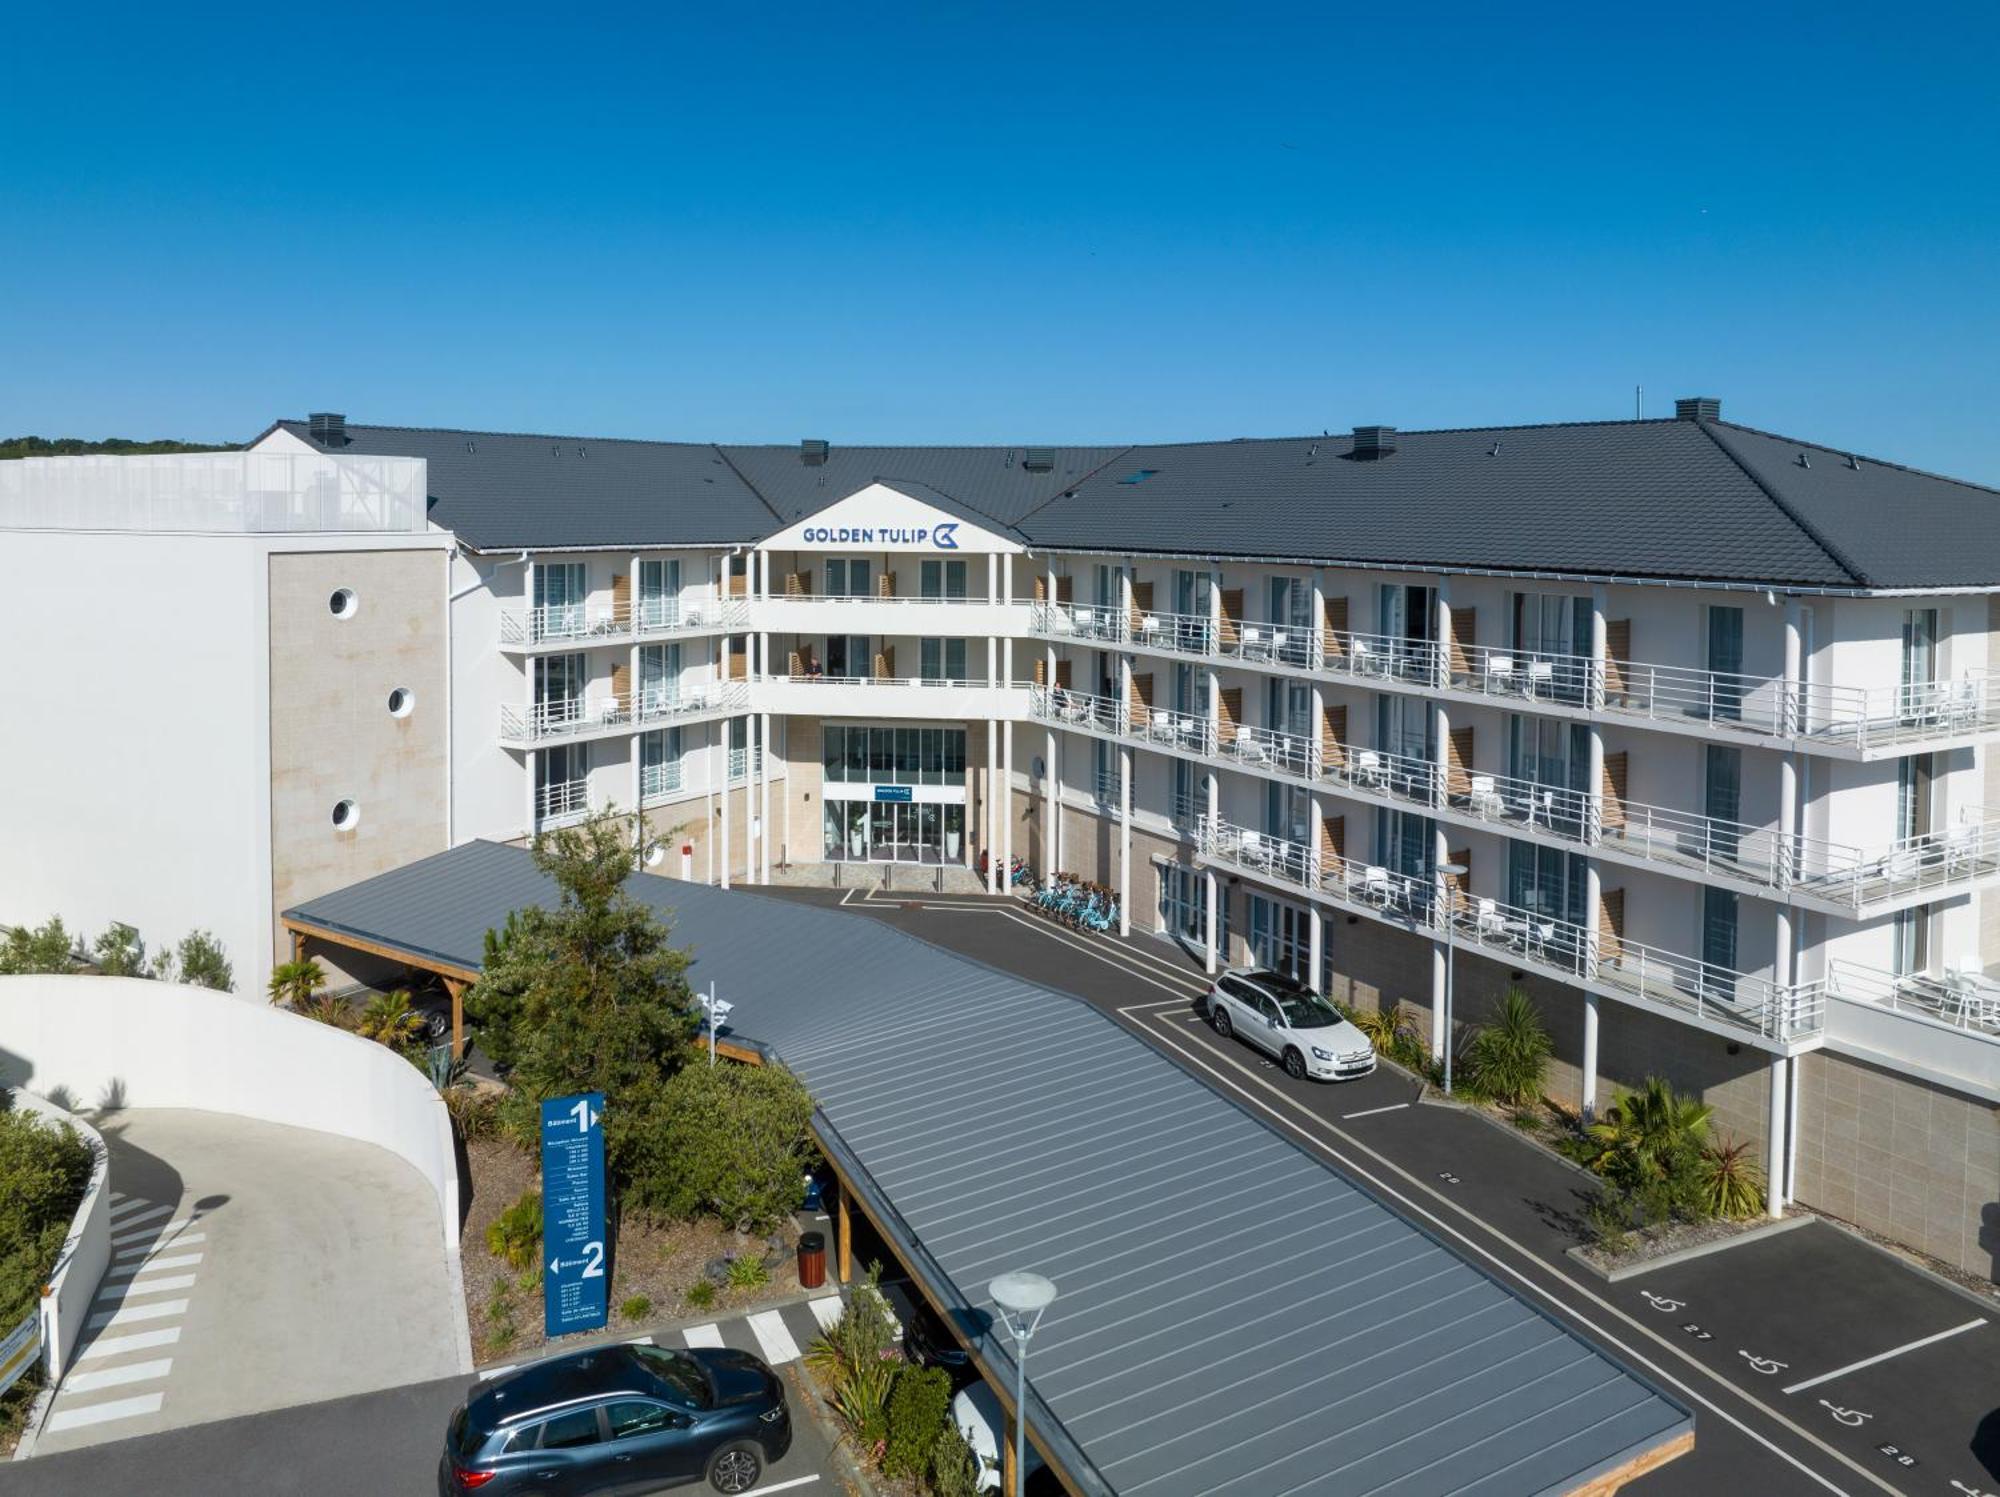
column 1295, row 1025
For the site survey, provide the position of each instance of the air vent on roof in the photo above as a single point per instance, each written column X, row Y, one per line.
column 1038, row 459
column 1140, row 476
column 812, row 452
column 1698, row 408
column 328, row 428
column 1371, row 442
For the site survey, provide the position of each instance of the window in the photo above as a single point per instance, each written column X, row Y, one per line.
column 1915, row 777
column 856, row 755
column 567, row 1431
column 1408, row 613
column 1184, row 906
column 678, row 1371
column 941, row 579
column 1546, row 881
column 1403, row 726
column 848, row 655
column 1291, row 603
column 659, row 593
column 1280, row 938
column 659, row 762
column 1404, row 844
column 849, row 577
column 1724, row 658
column 1722, row 797
column 343, row 603
column 1110, row 587
column 1912, row 956
column 1288, row 707
column 559, row 597
column 1140, row 476
column 942, row 659
column 1719, row 921
column 559, row 685
column 640, row 1418
column 401, row 701
column 1288, row 814
column 1554, row 631
column 346, row 816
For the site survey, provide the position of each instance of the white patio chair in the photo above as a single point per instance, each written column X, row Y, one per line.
column 1278, row 645
column 1500, row 673
column 1370, row 770
column 1250, row 849
column 1253, row 642
column 1149, row 626
column 1247, row 746
column 1488, row 923
column 1086, row 621
column 1486, row 798
column 1541, row 677
column 1369, row 661
column 1900, row 865
column 1377, row 887
column 1061, row 622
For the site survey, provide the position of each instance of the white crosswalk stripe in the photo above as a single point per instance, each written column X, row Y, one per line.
column 150, row 1234
column 121, row 1218
column 159, row 1284
column 150, row 1265
column 100, row 1413
column 118, row 1346
column 703, row 1335
column 161, row 1245
column 164, row 1309
column 116, row 1377
column 827, row 1310
column 774, row 1338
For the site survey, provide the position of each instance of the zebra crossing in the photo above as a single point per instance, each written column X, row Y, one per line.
column 123, row 1363
column 778, row 1336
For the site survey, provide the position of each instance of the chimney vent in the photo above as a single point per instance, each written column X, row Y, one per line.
column 1038, row 459
column 1698, row 408
column 812, row 452
column 328, row 428
column 1372, row 442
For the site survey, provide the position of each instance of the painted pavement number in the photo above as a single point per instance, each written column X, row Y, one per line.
column 575, row 1292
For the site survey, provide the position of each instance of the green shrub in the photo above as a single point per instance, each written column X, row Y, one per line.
column 50, row 948
column 1731, row 1183
column 730, row 1140
column 120, row 953
column 202, row 962
column 700, row 1296
column 1608, row 1216
column 862, row 1402
column 295, row 984
column 515, row 1237
column 44, row 1170
column 747, row 1271
column 919, row 1407
column 1505, row 1060
column 954, row 1470
column 638, row 1307
column 475, row 1112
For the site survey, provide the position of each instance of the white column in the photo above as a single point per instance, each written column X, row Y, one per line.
column 1316, row 948
column 1051, row 813
column 1441, row 756
column 1593, row 911
column 1007, row 805
column 1794, row 662
column 1774, row 1152
column 1315, row 650
column 764, row 789
column 638, row 799
column 1214, row 892
column 1438, row 962
column 1598, row 637
column 1589, row 1099
column 722, row 736
column 1214, row 885
column 1124, row 840
column 528, row 762
column 991, row 800
column 1442, row 629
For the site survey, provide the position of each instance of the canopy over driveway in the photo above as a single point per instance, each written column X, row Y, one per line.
column 1235, row 1316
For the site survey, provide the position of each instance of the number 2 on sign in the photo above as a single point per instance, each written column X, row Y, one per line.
column 593, row 1260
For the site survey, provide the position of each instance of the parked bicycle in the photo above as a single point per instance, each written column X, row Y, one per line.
column 1077, row 903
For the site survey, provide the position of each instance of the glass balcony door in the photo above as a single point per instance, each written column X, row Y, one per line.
column 849, row 577
column 659, row 677
column 559, row 598
column 938, row 578
column 559, row 683
column 942, row 659
column 659, row 593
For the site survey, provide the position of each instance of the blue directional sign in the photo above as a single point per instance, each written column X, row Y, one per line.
column 892, row 792
column 575, row 1291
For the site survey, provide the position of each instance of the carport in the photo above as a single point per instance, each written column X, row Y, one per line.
column 1234, row 1316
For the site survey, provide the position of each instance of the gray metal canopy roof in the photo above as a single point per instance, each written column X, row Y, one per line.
column 1234, row 1315
column 1680, row 500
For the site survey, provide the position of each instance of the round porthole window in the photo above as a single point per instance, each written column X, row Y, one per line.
column 655, row 855
column 343, row 603
column 401, row 700
column 346, row 816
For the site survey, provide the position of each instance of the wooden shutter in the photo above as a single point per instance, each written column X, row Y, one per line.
column 1041, row 587
column 1232, row 617
column 621, row 596
column 739, row 660
column 1333, row 737
column 1332, row 627
column 1458, row 886
column 1062, row 675
column 1041, row 676
column 621, row 680
column 885, row 663
column 739, row 584
column 1613, row 791
column 885, row 586
column 1617, row 650
column 1065, row 589
column 1142, row 604
column 798, row 584
column 1464, row 623
column 1142, row 699
column 1611, row 925
column 1332, row 840
column 1458, row 762
column 1232, row 711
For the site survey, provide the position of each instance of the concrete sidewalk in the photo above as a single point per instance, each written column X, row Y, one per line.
column 254, row 1266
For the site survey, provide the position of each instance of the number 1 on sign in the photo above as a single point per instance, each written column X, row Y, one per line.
column 582, row 1111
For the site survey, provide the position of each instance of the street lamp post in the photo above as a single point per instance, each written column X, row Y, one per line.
column 1446, row 873
column 718, row 1009
column 1022, row 1297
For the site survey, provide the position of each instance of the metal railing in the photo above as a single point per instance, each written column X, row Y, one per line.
column 979, row 600
column 566, row 800
column 1963, row 996
column 1957, row 857
column 572, row 717
column 585, row 622
column 743, row 762
column 665, row 778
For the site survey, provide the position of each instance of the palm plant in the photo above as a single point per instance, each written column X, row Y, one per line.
column 1731, row 1184
column 389, row 1020
column 1647, row 1134
column 1505, row 1060
column 295, row 984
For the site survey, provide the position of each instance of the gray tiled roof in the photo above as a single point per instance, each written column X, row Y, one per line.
column 1675, row 500
column 1235, row 1316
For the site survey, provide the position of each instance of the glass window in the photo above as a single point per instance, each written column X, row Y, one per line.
column 833, row 753
column 933, row 756
column 1725, row 661
column 1718, row 937
column 882, row 756
column 567, row 1431
column 906, row 756
column 954, row 754
column 679, row 1371
column 638, row 1418
column 939, row 578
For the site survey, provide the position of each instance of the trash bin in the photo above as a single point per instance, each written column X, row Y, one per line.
column 812, row 1259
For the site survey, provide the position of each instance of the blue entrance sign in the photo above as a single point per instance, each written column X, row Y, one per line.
column 892, row 792
column 575, row 1292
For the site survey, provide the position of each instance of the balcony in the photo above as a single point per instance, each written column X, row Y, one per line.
column 658, row 781
column 690, row 612
column 1946, row 1028
column 894, row 615
column 563, row 803
column 609, row 715
column 1631, row 971
column 918, row 698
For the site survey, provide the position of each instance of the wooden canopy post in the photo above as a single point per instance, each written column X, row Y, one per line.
column 1010, row 1478
column 456, row 987
column 298, row 945
column 843, row 1235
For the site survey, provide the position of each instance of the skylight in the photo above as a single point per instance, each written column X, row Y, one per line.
column 1140, row 477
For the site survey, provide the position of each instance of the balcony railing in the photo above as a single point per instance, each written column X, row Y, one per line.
column 587, row 622
column 1963, row 997
column 743, row 762
column 657, row 780
column 1521, row 936
column 562, row 802
column 573, row 717
column 1937, row 862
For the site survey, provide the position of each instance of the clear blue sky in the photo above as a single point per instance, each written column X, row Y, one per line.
column 1008, row 224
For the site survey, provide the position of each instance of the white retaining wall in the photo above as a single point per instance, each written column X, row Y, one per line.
column 86, row 1252
column 168, row 1045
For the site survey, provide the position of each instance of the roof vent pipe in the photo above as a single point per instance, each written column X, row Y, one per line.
column 1698, row 408
column 812, row 452
column 328, row 428
column 1371, row 442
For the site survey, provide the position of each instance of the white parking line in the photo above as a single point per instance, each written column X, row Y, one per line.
column 779, row 1486
column 773, row 1337
column 827, row 1310
column 1895, row 1351
column 100, row 1413
column 703, row 1335
column 148, row 1265
column 111, row 1346
column 1369, row 1112
column 157, row 1310
column 112, row 1377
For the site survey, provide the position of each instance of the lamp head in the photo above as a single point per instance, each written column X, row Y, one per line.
column 1022, row 1297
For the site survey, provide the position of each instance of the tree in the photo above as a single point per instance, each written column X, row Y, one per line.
column 294, row 984
column 120, row 952
column 203, row 963
column 732, row 1140
column 50, row 948
column 588, row 996
column 44, row 1168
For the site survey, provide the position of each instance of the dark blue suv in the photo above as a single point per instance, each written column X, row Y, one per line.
column 618, row 1419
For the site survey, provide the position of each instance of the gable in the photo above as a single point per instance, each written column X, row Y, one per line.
column 878, row 517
